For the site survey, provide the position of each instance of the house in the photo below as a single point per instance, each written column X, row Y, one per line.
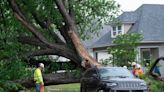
column 147, row 20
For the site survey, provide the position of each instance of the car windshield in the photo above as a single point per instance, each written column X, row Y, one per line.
column 115, row 72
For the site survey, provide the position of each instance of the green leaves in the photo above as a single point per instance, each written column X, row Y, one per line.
column 90, row 15
column 11, row 71
column 124, row 51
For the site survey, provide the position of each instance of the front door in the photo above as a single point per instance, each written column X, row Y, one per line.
column 148, row 54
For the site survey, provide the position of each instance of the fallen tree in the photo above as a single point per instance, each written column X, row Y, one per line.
column 52, row 79
column 54, row 27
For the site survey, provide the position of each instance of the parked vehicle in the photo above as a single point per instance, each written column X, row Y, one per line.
column 111, row 79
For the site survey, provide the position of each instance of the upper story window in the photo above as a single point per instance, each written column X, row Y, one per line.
column 116, row 30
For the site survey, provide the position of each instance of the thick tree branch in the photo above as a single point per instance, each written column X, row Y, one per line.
column 58, row 48
column 52, row 79
column 42, row 24
column 45, row 25
column 75, row 39
column 63, row 31
column 31, row 28
column 69, row 22
column 16, row 8
column 67, row 54
column 81, row 49
column 31, row 40
column 71, row 11
column 70, row 54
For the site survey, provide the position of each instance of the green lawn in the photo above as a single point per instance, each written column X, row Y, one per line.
column 71, row 86
column 74, row 87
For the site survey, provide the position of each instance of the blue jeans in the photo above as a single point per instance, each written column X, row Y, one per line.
column 38, row 87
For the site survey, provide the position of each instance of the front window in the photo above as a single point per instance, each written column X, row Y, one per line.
column 115, row 72
column 119, row 30
column 116, row 30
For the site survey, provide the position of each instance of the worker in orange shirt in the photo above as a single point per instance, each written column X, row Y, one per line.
column 138, row 71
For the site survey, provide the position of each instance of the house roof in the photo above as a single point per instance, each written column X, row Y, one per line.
column 147, row 20
column 105, row 29
column 128, row 17
column 105, row 40
column 150, row 22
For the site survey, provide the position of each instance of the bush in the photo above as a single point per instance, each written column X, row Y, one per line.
column 13, row 87
column 153, row 85
column 11, row 71
column 2, row 90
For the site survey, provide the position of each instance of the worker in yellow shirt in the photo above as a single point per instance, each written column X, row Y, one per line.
column 138, row 71
column 38, row 77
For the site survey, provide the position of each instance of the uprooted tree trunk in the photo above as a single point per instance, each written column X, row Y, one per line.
column 71, row 48
column 52, row 79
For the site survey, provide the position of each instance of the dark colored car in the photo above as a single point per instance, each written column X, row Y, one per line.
column 111, row 79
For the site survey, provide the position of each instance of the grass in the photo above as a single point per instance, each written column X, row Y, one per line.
column 74, row 87
column 67, row 86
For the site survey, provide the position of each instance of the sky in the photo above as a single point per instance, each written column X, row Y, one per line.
column 131, row 5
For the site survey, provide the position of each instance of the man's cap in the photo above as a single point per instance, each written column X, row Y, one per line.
column 133, row 63
column 41, row 65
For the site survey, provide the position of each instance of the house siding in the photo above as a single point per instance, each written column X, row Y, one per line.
column 127, row 26
column 162, row 68
column 102, row 55
column 161, row 51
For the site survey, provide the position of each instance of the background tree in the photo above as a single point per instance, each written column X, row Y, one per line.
column 124, row 50
column 49, row 27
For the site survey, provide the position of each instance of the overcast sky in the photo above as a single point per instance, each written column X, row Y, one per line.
column 131, row 5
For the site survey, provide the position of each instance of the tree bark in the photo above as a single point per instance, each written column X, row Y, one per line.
column 51, row 79
column 81, row 49
column 72, row 29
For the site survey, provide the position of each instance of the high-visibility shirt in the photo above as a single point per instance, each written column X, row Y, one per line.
column 138, row 72
column 38, row 76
